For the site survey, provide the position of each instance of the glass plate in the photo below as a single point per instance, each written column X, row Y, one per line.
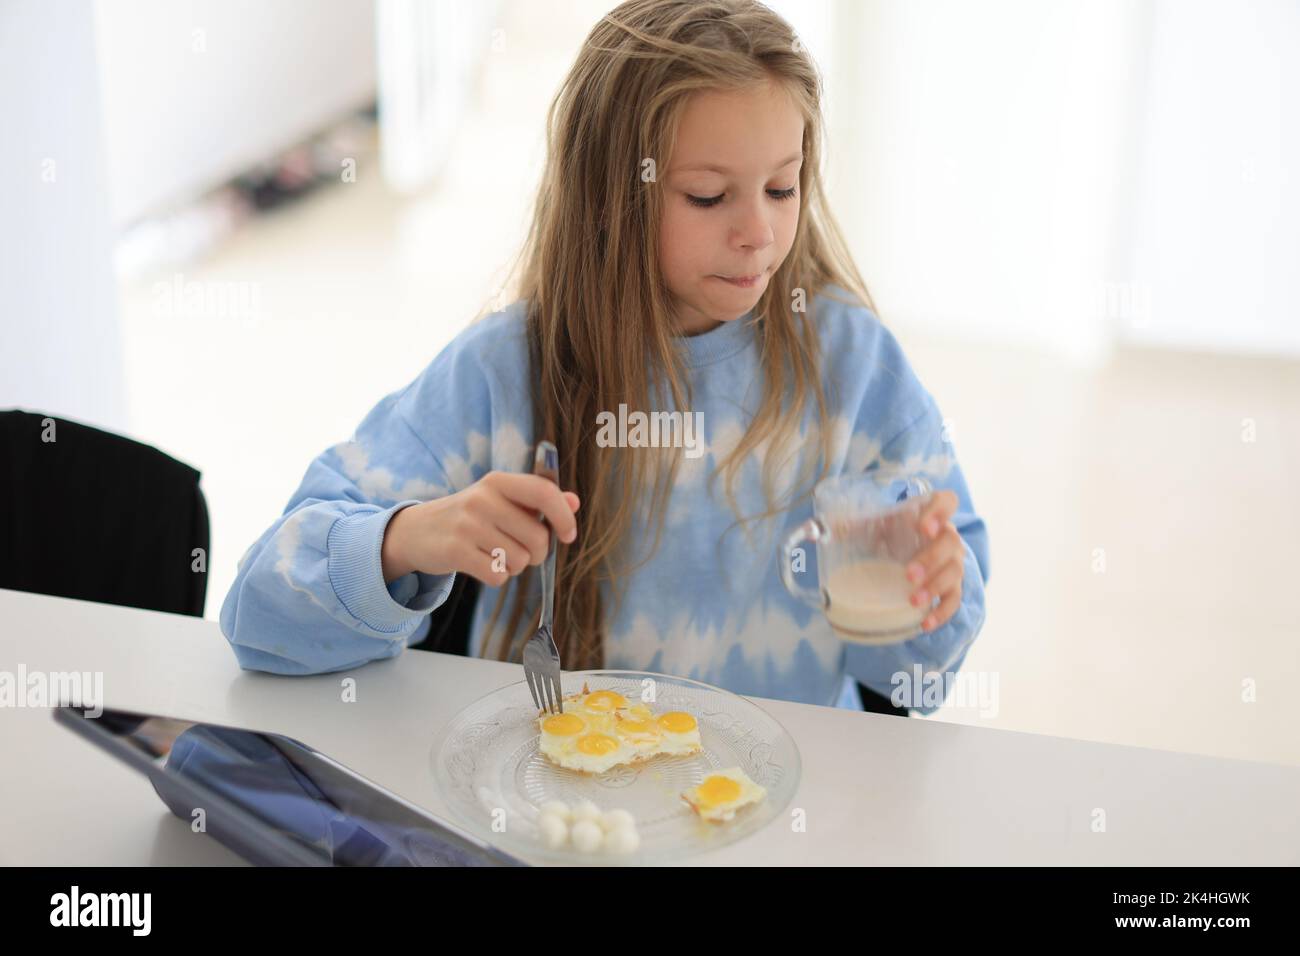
column 487, row 765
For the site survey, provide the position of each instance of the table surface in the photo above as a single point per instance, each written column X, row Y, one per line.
column 875, row 789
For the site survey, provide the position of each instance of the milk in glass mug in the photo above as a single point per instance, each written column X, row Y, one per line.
column 865, row 537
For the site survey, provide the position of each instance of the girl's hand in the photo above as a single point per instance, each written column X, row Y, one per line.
column 939, row 566
column 461, row 532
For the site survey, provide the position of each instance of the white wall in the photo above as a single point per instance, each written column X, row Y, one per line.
column 429, row 55
column 1216, row 225
column 60, row 350
column 1071, row 175
column 198, row 91
column 984, row 171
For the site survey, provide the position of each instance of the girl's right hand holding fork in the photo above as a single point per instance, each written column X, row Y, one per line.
column 474, row 531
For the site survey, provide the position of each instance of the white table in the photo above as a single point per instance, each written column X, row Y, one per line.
column 875, row 789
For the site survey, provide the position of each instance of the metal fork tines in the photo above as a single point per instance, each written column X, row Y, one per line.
column 541, row 656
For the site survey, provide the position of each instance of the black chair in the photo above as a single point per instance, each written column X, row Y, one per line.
column 98, row 517
column 449, row 634
column 453, row 619
column 873, row 703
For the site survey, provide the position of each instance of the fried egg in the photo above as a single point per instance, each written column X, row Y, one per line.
column 580, row 744
column 604, row 701
column 681, row 733
column 597, row 730
column 720, row 794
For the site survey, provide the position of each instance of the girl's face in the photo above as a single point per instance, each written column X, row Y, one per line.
column 731, row 202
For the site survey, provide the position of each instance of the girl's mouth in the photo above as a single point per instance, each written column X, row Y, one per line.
column 743, row 282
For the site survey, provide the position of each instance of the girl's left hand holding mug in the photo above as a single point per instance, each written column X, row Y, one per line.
column 940, row 564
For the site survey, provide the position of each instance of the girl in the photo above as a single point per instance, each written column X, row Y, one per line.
column 681, row 259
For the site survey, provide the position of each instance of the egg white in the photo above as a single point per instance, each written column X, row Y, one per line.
column 636, row 728
column 724, row 810
column 679, row 743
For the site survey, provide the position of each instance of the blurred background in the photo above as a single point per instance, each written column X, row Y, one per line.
column 228, row 228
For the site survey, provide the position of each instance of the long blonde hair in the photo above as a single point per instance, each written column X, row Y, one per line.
column 600, row 324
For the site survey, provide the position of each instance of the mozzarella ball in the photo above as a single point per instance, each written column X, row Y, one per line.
column 587, row 836
column 557, row 808
column 622, row 840
column 554, row 830
column 616, row 820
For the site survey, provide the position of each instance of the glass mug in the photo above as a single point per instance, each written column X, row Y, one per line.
column 865, row 539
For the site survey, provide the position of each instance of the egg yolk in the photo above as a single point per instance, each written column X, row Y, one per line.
column 715, row 790
column 605, row 700
column 677, row 722
column 562, row 725
column 597, row 744
column 636, row 726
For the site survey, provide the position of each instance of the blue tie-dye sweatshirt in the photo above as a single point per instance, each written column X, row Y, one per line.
column 310, row 596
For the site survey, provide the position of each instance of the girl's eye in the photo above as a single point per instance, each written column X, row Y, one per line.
column 704, row 202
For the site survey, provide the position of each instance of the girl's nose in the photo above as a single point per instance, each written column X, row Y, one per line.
column 757, row 236
column 753, row 228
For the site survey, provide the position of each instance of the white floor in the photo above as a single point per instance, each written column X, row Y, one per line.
column 1142, row 551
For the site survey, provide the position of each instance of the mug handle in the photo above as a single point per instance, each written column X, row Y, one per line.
column 916, row 486
column 813, row 531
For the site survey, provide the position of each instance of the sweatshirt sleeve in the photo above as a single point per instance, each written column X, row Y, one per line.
column 925, row 445
column 309, row 596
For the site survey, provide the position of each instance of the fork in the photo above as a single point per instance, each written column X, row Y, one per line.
column 541, row 656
